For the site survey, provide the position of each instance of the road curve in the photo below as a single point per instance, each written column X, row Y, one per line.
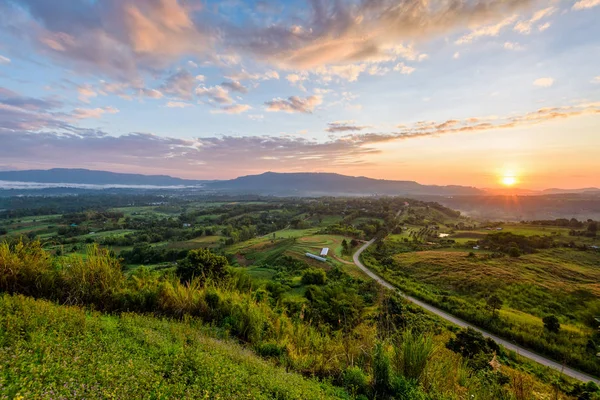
column 463, row 324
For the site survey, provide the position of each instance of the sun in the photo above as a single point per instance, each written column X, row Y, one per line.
column 509, row 180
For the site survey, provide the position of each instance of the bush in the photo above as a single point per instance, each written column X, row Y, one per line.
column 406, row 389
column 472, row 345
column 356, row 381
column 202, row 264
column 270, row 350
column 314, row 276
column 551, row 324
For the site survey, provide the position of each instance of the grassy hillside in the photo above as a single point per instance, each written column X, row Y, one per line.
column 562, row 282
column 51, row 351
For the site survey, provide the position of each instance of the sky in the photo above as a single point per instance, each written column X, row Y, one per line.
column 464, row 92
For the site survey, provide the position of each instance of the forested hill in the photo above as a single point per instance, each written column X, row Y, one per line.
column 331, row 184
column 92, row 177
column 270, row 183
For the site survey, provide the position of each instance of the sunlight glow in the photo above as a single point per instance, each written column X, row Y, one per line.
column 509, row 180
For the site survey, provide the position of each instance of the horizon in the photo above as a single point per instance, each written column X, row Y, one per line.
column 516, row 190
column 489, row 94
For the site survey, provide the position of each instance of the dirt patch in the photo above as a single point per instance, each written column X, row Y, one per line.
column 241, row 260
column 343, row 261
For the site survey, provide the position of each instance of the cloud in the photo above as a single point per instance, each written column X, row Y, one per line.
column 84, row 113
column 525, row 26
column 145, row 152
column 513, row 46
column 476, row 124
column 180, row 85
column 377, row 70
column 294, row 104
column 584, row 4
column 114, row 37
column 487, row 30
column 216, row 94
column 4, row 60
column 348, row 73
column 456, row 55
column 543, row 82
column 150, row 93
column 233, row 109
column 19, row 112
column 126, row 38
column 32, row 132
column 178, row 104
column 544, row 26
column 10, row 98
column 243, row 75
column 235, row 86
column 297, row 79
column 404, row 69
column 344, row 126
column 85, row 93
column 342, row 33
column 596, row 79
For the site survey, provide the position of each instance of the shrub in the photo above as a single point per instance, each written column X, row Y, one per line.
column 95, row 278
column 356, row 381
column 406, row 389
column 25, row 268
column 473, row 346
column 202, row 264
column 551, row 324
column 270, row 350
column 314, row 276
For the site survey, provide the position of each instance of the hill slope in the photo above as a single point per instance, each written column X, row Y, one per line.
column 306, row 183
column 52, row 351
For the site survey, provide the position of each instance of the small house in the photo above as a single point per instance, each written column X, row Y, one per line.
column 324, row 251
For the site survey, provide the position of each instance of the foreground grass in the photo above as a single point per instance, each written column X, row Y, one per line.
column 51, row 351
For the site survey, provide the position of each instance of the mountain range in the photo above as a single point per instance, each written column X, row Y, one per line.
column 92, row 177
column 268, row 183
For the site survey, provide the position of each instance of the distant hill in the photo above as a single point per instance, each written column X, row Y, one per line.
column 591, row 190
column 92, row 177
column 268, row 183
column 318, row 184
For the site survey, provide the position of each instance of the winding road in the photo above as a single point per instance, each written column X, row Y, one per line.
column 463, row 324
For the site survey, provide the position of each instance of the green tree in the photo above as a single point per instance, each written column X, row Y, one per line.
column 494, row 303
column 202, row 263
column 472, row 345
column 345, row 246
column 314, row 276
column 551, row 324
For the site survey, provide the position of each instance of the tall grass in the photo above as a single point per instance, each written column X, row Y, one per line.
column 413, row 353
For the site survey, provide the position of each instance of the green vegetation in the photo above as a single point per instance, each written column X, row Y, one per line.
column 334, row 336
column 51, row 351
column 232, row 273
column 546, row 300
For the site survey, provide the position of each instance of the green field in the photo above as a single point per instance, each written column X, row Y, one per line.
column 561, row 282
